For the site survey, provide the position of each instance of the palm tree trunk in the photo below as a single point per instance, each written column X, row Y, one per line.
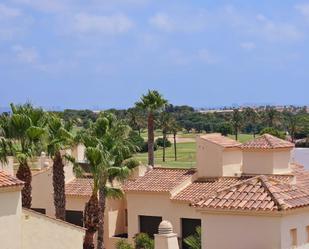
column 164, row 138
column 91, row 220
column 150, row 139
column 59, row 186
column 175, row 149
column 102, row 204
column 24, row 174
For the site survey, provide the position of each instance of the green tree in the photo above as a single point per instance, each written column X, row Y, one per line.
column 107, row 146
column 136, row 119
column 194, row 241
column 273, row 131
column 25, row 128
column 151, row 102
column 58, row 140
column 271, row 116
column 236, row 122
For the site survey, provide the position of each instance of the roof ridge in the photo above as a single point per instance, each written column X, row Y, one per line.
column 265, row 183
column 266, row 137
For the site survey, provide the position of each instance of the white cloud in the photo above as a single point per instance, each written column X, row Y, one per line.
column 26, row 55
column 207, row 57
column 113, row 24
column 182, row 22
column 303, row 9
column 248, row 45
column 8, row 12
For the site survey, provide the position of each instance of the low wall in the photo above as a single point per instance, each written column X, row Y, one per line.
column 40, row 231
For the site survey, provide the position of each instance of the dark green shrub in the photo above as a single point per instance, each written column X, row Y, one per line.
column 137, row 140
column 160, row 142
column 145, row 147
column 131, row 163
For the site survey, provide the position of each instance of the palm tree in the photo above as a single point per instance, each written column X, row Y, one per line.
column 252, row 117
column 271, row 116
column 151, row 102
column 166, row 125
column 107, row 146
column 59, row 139
column 175, row 127
column 25, row 130
column 194, row 241
column 236, row 121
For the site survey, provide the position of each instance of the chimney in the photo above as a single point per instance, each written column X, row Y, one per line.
column 166, row 239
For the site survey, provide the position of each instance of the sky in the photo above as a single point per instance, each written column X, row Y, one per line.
column 107, row 53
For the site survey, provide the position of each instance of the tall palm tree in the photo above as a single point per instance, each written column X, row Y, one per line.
column 59, row 139
column 107, row 146
column 236, row 121
column 25, row 130
column 151, row 103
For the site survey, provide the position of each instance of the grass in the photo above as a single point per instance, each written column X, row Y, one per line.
column 185, row 156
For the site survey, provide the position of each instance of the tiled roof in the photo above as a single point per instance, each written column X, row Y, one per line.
column 206, row 187
column 9, row 181
column 267, row 141
column 79, row 187
column 159, row 180
column 223, row 141
column 260, row 193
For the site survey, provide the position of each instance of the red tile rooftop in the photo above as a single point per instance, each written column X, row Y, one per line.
column 9, row 181
column 159, row 180
column 260, row 193
column 79, row 187
column 223, row 141
column 267, row 141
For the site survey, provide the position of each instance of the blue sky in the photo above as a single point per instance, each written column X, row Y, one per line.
column 106, row 53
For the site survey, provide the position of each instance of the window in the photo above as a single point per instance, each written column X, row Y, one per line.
column 126, row 217
column 74, row 217
column 293, row 236
column 188, row 227
column 149, row 224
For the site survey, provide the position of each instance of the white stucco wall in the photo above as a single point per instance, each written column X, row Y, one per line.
column 299, row 221
column 240, row 232
column 157, row 205
column 258, row 162
column 42, row 191
column 8, row 167
column 208, row 158
column 42, row 232
column 10, row 219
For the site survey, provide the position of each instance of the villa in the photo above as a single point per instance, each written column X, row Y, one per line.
column 249, row 195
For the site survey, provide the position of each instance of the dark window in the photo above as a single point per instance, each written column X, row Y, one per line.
column 74, row 217
column 188, row 227
column 39, row 210
column 149, row 224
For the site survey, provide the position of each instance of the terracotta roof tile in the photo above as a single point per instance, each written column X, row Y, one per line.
column 9, row 181
column 267, row 141
column 205, row 187
column 159, row 180
column 79, row 187
column 223, row 141
column 260, row 193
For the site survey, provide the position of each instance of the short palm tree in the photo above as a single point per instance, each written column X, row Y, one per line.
column 175, row 128
column 151, row 102
column 107, row 146
column 194, row 241
column 25, row 130
column 59, row 139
